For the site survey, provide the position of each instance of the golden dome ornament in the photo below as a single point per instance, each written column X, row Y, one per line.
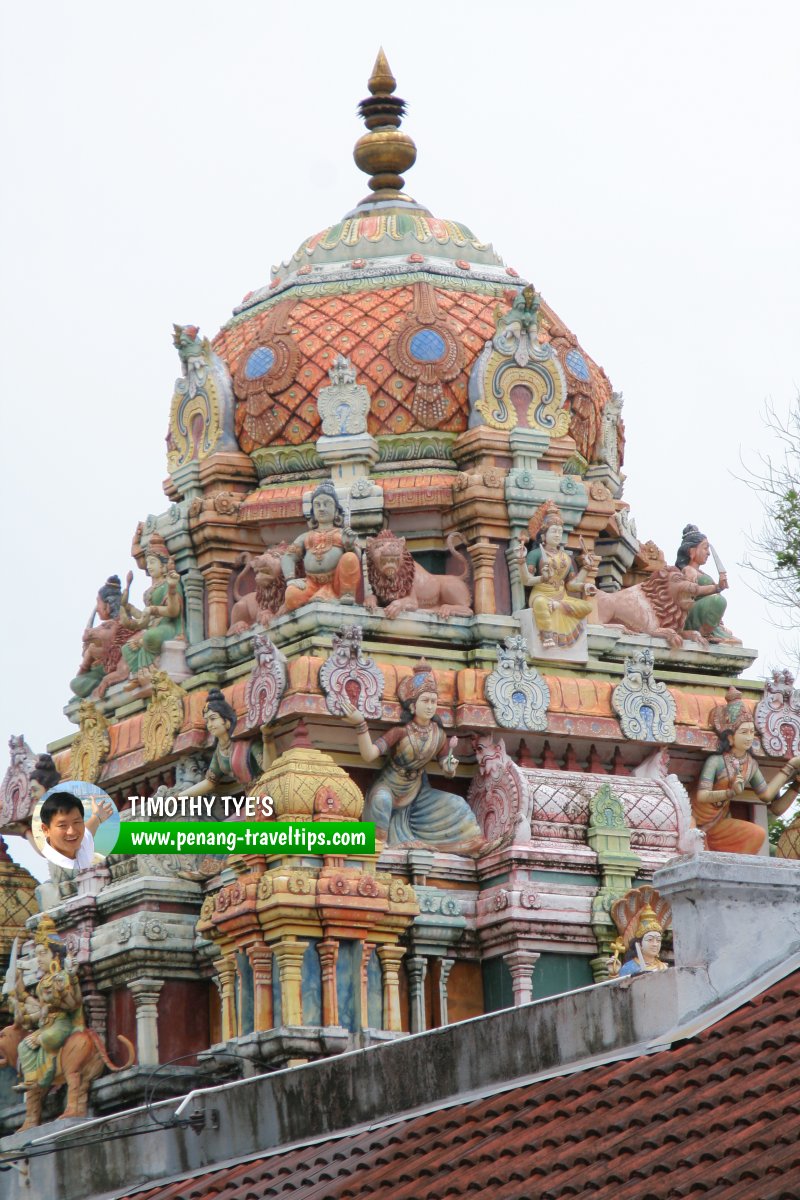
column 385, row 151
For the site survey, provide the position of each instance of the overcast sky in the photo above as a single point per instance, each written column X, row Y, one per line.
column 638, row 162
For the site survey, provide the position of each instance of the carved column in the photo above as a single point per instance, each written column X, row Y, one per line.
column 194, row 587
column 484, row 555
column 216, row 578
column 226, row 982
column 366, row 955
column 391, row 957
column 261, row 961
column 289, row 955
column 521, row 963
column 145, row 997
column 417, row 969
column 445, row 966
column 96, row 1009
column 328, row 952
column 517, row 586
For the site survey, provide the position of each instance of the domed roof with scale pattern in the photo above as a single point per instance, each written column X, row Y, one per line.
column 402, row 294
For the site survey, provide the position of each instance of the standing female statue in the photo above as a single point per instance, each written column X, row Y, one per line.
column 559, row 590
column 727, row 774
column 402, row 802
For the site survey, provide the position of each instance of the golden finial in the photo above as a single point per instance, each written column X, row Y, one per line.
column 385, row 150
column 381, row 81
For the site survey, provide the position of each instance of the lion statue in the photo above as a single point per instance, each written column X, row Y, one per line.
column 401, row 585
column 658, row 607
column 81, row 1059
column 262, row 605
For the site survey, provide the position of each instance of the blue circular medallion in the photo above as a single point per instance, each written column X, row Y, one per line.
column 427, row 346
column 577, row 365
column 259, row 362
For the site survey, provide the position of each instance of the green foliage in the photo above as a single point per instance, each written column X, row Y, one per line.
column 787, row 519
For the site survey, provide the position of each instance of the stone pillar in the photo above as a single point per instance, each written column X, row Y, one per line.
column 484, row 555
column 366, row 955
column 194, row 588
column 521, row 963
column 145, row 997
column 96, row 1009
column 328, row 952
column 289, row 955
column 216, row 578
column 445, row 966
column 261, row 961
column 391, row 957
column 226, row 983
column 417, row 969
column 517, row 586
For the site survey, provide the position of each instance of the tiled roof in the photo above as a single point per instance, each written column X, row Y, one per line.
column 715, row 1116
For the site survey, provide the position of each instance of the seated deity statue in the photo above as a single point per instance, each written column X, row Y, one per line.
column 51, row 1013
column 328, row 555
column 404, row 805
column 102, row 642
column 705, row 615
column 159, row 621
column 731, row 772
column 559, row 590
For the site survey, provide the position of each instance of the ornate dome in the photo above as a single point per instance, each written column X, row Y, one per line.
column 413, row 302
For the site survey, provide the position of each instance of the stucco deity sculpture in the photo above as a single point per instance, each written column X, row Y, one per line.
column 102, row 643
column 402, row 802
column 261, row 606
column 401, row 585
column 48, row 1020
column 709, row 606
column 44, row 776
column 727, row 775
column 559, row 591
column 641, row 930
column 327, row 551
column 658, row 607
column 161, row 619
column 232, row 762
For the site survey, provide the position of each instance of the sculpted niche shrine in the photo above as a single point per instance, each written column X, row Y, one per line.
column 396, row 580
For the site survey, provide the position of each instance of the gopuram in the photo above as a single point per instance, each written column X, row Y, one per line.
column 396, row 579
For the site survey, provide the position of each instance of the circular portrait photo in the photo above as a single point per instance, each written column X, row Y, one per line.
column 75, row 825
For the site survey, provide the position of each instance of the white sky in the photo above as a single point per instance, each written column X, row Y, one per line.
column 638, row 162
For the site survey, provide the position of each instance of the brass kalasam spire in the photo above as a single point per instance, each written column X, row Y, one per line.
column 384, row 151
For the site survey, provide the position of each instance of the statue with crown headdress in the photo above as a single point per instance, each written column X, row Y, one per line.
column 732, row 774
column 161, row 619
column 404, row 805
column 560, row 589
column 49, row 1040
column 642, row 917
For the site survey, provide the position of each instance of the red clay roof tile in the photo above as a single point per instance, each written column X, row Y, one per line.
column 714, row 1116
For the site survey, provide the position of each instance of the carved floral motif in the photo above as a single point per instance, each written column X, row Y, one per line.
column 267, row 683
column 777, row 715
column 163, row 717
column 517, row 693
column 645, row 706
column 90, row 748
column 349, row 673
